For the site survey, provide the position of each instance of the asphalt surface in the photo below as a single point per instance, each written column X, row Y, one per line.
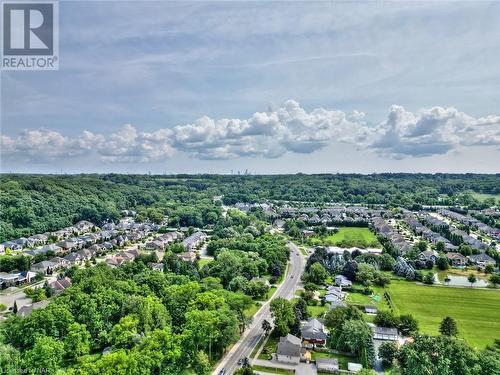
column 251, row 337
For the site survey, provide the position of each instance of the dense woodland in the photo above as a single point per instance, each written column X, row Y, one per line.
column 39, row 203
column 134, row 320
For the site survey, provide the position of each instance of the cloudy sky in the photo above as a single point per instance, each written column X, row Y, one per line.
column 274, row 87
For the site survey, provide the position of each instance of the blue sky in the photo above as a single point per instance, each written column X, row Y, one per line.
column 273, row 87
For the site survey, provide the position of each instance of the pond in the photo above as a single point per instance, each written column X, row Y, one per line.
column 455, row 280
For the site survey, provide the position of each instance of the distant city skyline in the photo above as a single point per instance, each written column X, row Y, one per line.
column 275, row 87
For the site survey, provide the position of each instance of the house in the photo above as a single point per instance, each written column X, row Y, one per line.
column 116, row 261
column 456, row 259
column 188, row 256
column 156, row 266
column 482, row 260
column 9, row 279
column 60, row 285
column 28, row 309
column 74, row 258
column 289, row 349
column 46, row 266
column 313, row 332
column 428, row 255
column 11, row 245
column 155, row 245
column 343, row 281
column 384, row 333
column 370, row 310
column 60, row 262
column 337, row 303
column 191, row 242
column 354, row 367
column 334, row 293
column 327, row 365
column 67, row 245
column 51, row 248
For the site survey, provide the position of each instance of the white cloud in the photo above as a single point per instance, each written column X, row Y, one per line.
column 432, row 131
column 126, row 145
column 269, row 134
column 287, row 129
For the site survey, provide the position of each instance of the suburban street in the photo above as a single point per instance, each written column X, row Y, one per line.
column 251, row 337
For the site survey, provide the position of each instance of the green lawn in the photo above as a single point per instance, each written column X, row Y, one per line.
column 351, row 237
column 203, row 261
column 318, row 310
column 482, row 197
column 252, row 309
column 343, row 359
column 475, row 310
column 270, row 347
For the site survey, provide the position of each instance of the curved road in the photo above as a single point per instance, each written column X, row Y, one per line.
column 251, row 337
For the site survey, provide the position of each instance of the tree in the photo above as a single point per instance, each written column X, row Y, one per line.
column 387, row 352
column 266, row 326
column 495, row 279
column 47, row 353
column 77, row 341
column 442, row 263
column 124, row 333
column 440, row 247
column 386, row 262
column 489, row 268
column 365, row 274
column 357, row 337
column 301, row 307
column 202, row 364
column 283, row 314
column 422, row 245
column 385, row 319
column 429, row 278
column 472, row 279
column 448, row 327
column 317, row 274
column 350, row 269
column 437, row 355
column 407, row 325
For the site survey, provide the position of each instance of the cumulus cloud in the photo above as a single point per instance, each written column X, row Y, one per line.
column 432, row 131
column 126, row 145
column 271, row 134
column 268, row 134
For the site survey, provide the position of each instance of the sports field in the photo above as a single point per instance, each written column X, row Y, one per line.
column 477, row 311
column 353, row 237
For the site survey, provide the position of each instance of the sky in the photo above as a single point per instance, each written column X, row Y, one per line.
column 268, row 87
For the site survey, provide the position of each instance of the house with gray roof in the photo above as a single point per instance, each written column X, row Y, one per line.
column 327, row 365
column 289, row 349
column 482, row 260
column 313, row 332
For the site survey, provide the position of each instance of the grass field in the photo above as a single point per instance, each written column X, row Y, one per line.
column 348, row 237
column 482, row 197
column 475, row 310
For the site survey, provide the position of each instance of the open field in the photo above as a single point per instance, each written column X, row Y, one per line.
column 482, row 197
column 475, row 310
column 353, row 237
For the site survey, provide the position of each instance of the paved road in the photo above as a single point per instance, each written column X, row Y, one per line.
column 244, row 347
